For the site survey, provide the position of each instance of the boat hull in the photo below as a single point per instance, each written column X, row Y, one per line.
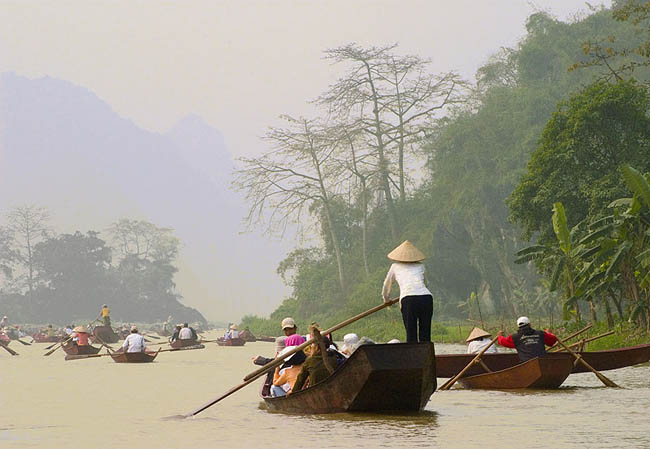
column 376, row 378
column 541, row 372
column 73, row 349
column 183, row 343
column 133, row 357
column 104, row 334
column 448, row 365
column 231, row 342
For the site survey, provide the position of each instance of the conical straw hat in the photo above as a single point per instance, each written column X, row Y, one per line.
column 477, row 332
column 406, row 252
column 80, row 329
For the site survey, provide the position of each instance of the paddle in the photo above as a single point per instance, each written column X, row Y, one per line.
column 579, row 358
column 278, row 361
column 23, row 342
column 89, row 356
column 8, row 349
column 584, row 341
column 447, row 385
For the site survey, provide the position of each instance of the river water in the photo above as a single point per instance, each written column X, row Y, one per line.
column 46, row 402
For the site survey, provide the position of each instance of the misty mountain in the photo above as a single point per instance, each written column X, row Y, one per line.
column 64, row 148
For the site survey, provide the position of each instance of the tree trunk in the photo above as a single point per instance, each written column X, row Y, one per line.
column 608, row 313
column 364, row 227
column 592, row 311
column 383, row 162
column 337, row 247
column 617, row 303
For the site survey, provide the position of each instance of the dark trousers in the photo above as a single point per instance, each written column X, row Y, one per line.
column 417, row 311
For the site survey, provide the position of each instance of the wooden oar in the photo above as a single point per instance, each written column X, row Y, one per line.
column 90, row 356
column 579, row 359
column 58, row 345
column 447, row 385
column 23, row 342
column 278, row 361
column 8, row 349
column 584, row 341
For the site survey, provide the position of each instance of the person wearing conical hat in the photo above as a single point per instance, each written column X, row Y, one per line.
column 233, row 332
column 477, row 340
column 415, row 299
column 80, row 336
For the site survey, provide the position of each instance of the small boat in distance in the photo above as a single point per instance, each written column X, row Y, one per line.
column 133, row 357
column 545, row 372
column 184, row 343
column 230, row 342
column 398, row 377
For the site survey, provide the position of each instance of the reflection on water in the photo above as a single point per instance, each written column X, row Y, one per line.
column 46, row 402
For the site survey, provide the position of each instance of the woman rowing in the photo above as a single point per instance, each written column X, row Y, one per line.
column 416, row 301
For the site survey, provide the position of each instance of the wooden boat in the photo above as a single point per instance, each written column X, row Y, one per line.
column 448, row 365
column 72, row 348
column 133, row 357
column 44, row 338
column 383, row 377
column 4, row 339
column 231, row 342
column 105, row 334
column 183, row 343
column 541, row 372
column 267, row 339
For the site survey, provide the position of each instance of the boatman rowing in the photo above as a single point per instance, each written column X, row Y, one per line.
column 528, row 342
column 134, row 342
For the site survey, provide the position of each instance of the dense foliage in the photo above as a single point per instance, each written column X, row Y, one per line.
column 530, row 100
column 62, row 278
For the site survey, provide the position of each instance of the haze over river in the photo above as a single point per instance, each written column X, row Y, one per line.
column 46, row 402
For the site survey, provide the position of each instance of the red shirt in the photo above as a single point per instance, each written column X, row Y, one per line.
column 82, row 338
column 549, row 340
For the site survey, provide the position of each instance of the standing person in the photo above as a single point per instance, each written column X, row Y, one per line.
column 106, row 315
column 528, row 342
column 415, row 299
column 134, row 342
column 477, row 340
column 290, row 330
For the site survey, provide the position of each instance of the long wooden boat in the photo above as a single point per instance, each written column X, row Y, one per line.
column 4, row 339
column 183, row 343
column 134, row 357
column 72, row 348
column 266, row 339
column 231, row 342
column 541, row 372
column 448, row 365
column 376, row 378
column 105, row 334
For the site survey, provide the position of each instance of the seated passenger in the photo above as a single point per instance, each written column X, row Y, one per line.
column 286, row 374
column 80, row 335
column 232, row 333
column 314, row 367
column 479, row 339
column 279, row 346
column 187, row 333
column 290, row 330
column 350, row 342
column 177, row 331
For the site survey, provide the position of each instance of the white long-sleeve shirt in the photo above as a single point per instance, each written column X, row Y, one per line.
column 475, row 346
column 185, row 333
column 134, row 343
column 409, row 277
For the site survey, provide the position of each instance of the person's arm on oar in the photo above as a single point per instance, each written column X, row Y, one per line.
column 507, row 342
column 549, row 338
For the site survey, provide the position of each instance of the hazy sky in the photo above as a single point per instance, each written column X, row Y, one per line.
column 239, row 64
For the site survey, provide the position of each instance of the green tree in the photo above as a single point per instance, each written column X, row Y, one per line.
column 581, row 148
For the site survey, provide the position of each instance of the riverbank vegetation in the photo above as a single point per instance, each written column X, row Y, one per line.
column 63, row 278
column 525, row 187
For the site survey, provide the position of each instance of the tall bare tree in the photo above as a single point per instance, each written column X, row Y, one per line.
column 29, row 225
column 297, row 176
column 401, row 97
column 143, row 240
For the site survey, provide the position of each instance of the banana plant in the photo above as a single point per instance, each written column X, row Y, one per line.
column 562, row 256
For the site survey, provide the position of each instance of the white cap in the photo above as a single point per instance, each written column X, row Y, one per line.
column 288, row 322
column 351, row 339
column 286, row 350
column 522, row 321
